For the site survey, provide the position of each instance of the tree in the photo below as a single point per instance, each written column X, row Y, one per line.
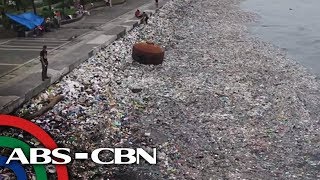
column 34, row 7
column 3, row 10
column 22, row 4
column 3, row 7
column 4, row 20
column 49, row 4
column 18, row 4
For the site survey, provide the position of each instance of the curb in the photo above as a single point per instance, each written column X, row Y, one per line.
column 116, row 2
column 15, row 103
column 12, row 104
column 71, row 20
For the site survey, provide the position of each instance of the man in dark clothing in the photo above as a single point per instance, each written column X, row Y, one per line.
column 44, row 62
column 145, row 18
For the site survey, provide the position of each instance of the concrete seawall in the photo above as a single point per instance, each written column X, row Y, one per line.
column 62, row 61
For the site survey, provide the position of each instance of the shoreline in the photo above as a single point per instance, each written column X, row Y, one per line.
column 223, row 104
column 282, row 29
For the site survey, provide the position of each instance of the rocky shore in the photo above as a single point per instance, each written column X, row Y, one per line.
column 223, row 105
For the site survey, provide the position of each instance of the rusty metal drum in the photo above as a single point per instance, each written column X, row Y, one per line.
column 147, row 53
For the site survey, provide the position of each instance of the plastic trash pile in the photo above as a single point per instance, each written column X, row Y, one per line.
column 223, row 105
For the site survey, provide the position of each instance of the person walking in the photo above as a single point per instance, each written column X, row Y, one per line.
column 157, row 3
column 44, row 62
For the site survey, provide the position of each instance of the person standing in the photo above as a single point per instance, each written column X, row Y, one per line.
column 44, row 62
column 157, row 3
column 57, row 15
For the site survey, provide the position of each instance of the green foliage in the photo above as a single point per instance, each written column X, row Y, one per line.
column 90, row 1
column 56, row 1
column 46, row 12
column 42, row 8
column 68, row 11
column 22, row 4
column 6, row 22
column 39, row 5
column 59, row 6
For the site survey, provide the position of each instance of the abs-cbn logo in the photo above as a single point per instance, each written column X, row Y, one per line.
column 22, row 153
column 61, row 156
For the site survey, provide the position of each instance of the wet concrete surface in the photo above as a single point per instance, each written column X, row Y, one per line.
column 17, row 52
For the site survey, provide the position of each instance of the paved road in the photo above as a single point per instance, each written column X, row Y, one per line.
column 23, row 83
column 16, row 52
column 100, row 16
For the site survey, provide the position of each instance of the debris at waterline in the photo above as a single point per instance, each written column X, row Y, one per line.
column 52, row 102
column 222, row 105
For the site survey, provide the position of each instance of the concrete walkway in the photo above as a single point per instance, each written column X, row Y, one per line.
column 20, row 71
column 14, row 53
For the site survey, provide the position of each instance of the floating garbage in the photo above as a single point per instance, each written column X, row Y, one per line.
column 222, row 106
